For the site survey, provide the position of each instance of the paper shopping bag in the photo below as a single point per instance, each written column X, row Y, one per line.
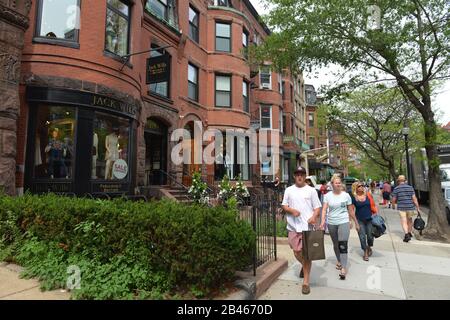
column 313, row 245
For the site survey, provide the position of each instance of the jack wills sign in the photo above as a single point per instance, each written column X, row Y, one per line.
column 158, row 69
column 81, row 99
column 105, row 102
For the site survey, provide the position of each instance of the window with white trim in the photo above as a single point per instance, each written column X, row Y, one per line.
column 265, row 77
column 266, row 116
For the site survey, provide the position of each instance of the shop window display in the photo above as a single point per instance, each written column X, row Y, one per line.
column 55, row 145
column 110, row 144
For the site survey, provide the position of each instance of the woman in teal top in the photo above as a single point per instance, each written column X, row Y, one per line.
column 338, row 211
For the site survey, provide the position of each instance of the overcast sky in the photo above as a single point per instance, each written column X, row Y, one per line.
column 323, row 76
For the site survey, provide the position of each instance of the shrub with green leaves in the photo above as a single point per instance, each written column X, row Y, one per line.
column 198, row 189
column 124, row 250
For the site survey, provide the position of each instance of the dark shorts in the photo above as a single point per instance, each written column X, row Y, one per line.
column 386, row 196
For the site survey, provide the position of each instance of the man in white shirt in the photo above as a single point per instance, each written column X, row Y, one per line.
column 302, row 205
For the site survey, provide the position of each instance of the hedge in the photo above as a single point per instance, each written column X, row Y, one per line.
column 124, row 250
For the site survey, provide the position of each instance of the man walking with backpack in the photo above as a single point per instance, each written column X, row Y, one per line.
column 406, row 200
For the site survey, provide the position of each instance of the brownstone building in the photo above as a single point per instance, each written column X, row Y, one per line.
column 104, row 84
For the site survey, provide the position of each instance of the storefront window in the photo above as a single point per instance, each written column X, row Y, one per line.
column 55, row 142
column 110, row 147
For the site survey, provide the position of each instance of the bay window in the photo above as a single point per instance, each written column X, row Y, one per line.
column 223, row 91
column 223, row 37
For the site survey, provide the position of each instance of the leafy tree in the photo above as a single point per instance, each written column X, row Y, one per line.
column 372, row 120
column 406, row 42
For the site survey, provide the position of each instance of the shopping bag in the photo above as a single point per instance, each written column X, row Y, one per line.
column 313, row 245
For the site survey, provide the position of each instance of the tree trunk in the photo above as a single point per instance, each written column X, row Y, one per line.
column 392, row 171
column 437, row 227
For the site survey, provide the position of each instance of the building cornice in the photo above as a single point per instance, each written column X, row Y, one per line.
column 11, row 15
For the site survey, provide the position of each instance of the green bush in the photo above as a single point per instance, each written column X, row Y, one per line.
column 124, row 249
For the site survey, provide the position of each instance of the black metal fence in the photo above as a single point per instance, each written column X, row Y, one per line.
column 260, row 212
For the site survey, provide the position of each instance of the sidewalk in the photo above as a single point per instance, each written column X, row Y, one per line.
column 14, row 288
column 396, row 270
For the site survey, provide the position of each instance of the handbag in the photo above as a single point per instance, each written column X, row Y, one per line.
column 419, row 223
column 313, row 245
column 379, row 226
column 373, row 206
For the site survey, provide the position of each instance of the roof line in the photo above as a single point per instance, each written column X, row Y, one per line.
column 255, row 13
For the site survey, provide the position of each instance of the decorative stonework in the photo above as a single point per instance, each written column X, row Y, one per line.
column 9, row 67
column 15, row 13
column 13, row 23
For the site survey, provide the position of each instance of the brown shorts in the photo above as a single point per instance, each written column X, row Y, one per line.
column 407, row 214
column 295, row 240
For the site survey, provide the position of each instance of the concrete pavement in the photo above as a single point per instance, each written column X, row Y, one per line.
column 396, row 270
column 14, row 288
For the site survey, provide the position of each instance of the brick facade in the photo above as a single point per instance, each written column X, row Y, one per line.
column 86, row 67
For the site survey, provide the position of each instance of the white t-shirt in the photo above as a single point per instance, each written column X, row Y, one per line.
column 305, row 200
column 337, row 207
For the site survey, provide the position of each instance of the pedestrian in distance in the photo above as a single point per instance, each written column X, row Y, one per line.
column 302, row 205
column 372, row 187
column 407, row 204
column 387, row 190
column 337, row 208
column 364, row 206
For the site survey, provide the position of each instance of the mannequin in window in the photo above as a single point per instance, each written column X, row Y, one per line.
column 68, row 152
column 112, row 151
column 56, row 152
column 94, row 156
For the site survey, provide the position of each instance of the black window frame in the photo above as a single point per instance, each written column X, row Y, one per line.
column 192, row 26
column 229, row 38
column 166, row 11
column 223, row 3
column 246, row 99
column 230, row 92
column 197, row 70
column 245, row 46
column 311, row 122
column 108, row 6
column 38, row 38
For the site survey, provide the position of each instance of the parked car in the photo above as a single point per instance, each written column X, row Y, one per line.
column 447, row 203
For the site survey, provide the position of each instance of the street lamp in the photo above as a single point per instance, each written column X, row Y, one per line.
column 405, row 132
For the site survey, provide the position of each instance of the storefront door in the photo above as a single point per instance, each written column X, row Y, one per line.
column 156, row 152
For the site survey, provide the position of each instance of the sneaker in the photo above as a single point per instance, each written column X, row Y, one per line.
column 410, row 235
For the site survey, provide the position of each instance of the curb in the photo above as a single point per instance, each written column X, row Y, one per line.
column 251, row 288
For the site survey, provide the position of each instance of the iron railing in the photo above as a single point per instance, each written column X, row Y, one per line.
column 261, row 215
